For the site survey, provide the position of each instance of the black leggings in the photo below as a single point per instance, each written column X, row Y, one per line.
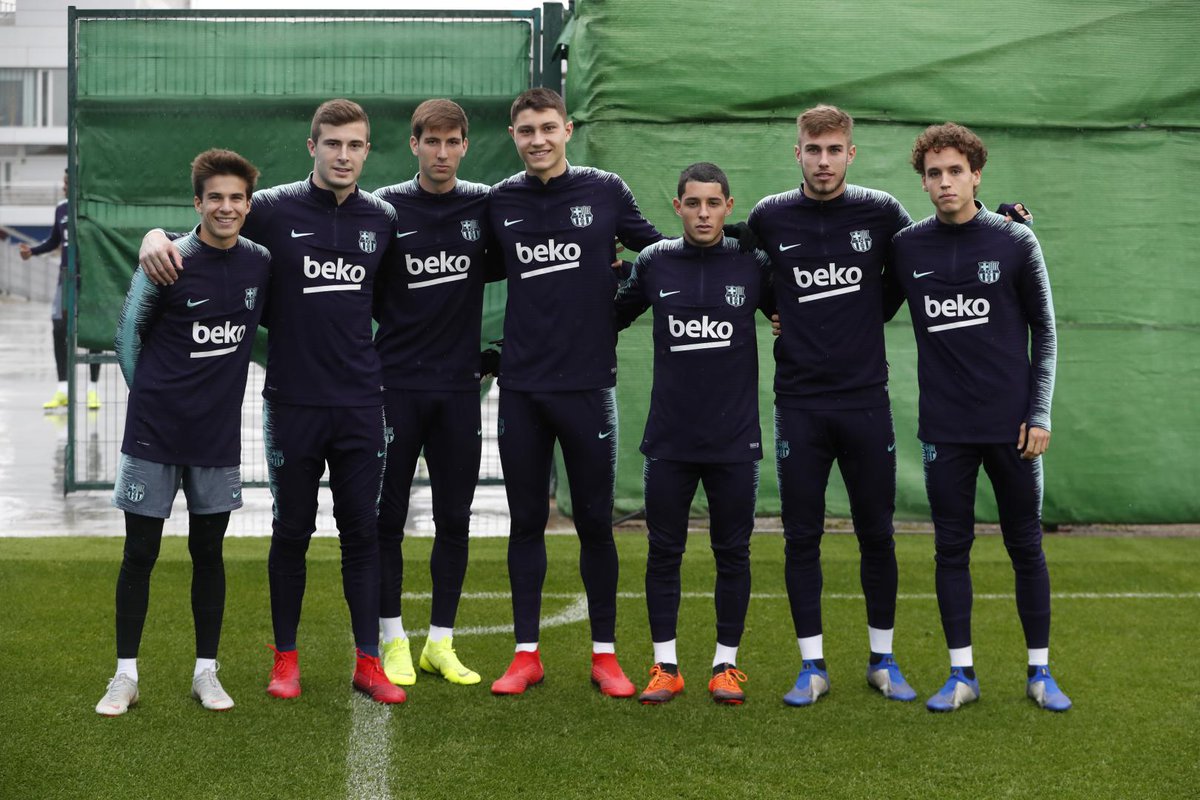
column 143, row 536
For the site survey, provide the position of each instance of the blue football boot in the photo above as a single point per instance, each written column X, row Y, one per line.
column 887, row 678
column 811, row 683
column 959, row 689
column 1045, row 692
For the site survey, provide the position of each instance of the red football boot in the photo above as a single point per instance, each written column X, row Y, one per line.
column 608, row 675
column 370, row 679
column 524, row 671
column 285, row 675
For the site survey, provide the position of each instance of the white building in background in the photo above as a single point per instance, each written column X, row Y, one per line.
column 33, row 103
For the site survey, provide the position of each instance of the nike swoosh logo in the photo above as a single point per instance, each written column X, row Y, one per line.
column 299, row 235
column 784, row 248
column 605, row 435
column 479, row 431
column 921, row 274
column 381, row 454
column 402, row 235
column 194, row 303
column 509, row 222
column 892, row 447
column 661, row 293
column 236, row 495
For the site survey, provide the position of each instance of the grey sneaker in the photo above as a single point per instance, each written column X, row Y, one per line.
column 207, row 689
column 122, row 693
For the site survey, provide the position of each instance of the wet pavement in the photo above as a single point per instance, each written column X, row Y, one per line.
column 33, row 450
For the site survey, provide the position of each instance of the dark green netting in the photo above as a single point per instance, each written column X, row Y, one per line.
column 1091, row 113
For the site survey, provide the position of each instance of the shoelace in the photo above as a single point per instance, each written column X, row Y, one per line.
column 116, row 684
column 207, row 680
column 660, row 678
column 731, row 678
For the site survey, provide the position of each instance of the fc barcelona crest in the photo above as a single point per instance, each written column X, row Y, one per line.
column 470, row 230
column 136, row 492
column 389, row 435
column 928, row 452
column 275, row 457
column 782, row 449
column 581, row 216
column 735, row 295
column 989, row 271
column 251, row 296
column 860, row 241
column 366, row 241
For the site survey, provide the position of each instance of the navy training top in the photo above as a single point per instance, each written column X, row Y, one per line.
column 704, row 400
column 558, row 241
column 184, row 350
column 983, row 317
column 829, row 258
column 429, row 302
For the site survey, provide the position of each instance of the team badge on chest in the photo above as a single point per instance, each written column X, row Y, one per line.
column 581, row 216
column 366, row 241
column 735, row 295
column 860, row 241
column 989, row 271
column 470, row 230
column 251, row 297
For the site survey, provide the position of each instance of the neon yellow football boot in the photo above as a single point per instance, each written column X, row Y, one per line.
column 397, row 662
column 439, row 658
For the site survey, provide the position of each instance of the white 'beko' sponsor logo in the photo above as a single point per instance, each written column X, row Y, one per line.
column 558, row 255
column 715, row 333
column 441, row 264
column 350, row 275
column 968, row 311
column 228, row 333
column 843, row 280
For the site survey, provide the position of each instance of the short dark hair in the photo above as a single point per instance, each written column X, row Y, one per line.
column 438, row 115
column 338, row 112
column 939, row 137
column 703, row 172
column 215, row 162
column 539, row 98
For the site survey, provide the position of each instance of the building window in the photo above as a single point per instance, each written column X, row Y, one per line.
column 33, row 97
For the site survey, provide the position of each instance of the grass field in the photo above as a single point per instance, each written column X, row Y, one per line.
column 1124, row 647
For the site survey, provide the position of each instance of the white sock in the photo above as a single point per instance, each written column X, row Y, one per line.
column 961, row 657
column 203, row 664
column 436, row 633
column 128, row 666
column 62, row 389
column 664, row 653
column 391, row 628
column 881, row 639
column 725, row 655
column 812, row 647
column 1039, row 656
column 527, row 647
column 603, row 647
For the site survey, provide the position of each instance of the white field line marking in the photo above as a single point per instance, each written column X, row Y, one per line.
column 368, row 751
column 576, row 612
column 826, row 596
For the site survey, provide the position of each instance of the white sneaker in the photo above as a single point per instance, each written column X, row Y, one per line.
column 122, row 693
column 207, row 689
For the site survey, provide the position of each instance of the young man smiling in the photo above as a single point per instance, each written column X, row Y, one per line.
column 322, row 403
column 184, row 351
column 983, row 318
column 704, row 291
column 430, row 314
column 555, row 225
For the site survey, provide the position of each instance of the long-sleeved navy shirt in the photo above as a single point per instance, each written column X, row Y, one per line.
column 558, row 244
column 704, row 401
column 983, row 318
column 58, row 237
column 184, row 350
column 429, row 301
column 829, row 258
column 324, row 257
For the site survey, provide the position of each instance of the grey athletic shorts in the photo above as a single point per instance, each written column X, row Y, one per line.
column 149, row 488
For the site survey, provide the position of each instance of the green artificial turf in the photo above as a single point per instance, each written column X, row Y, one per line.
column 1126, row 661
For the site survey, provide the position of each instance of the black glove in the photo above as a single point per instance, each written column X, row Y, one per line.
column 747, row 241
column 1010, row 210
column 489, row 363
